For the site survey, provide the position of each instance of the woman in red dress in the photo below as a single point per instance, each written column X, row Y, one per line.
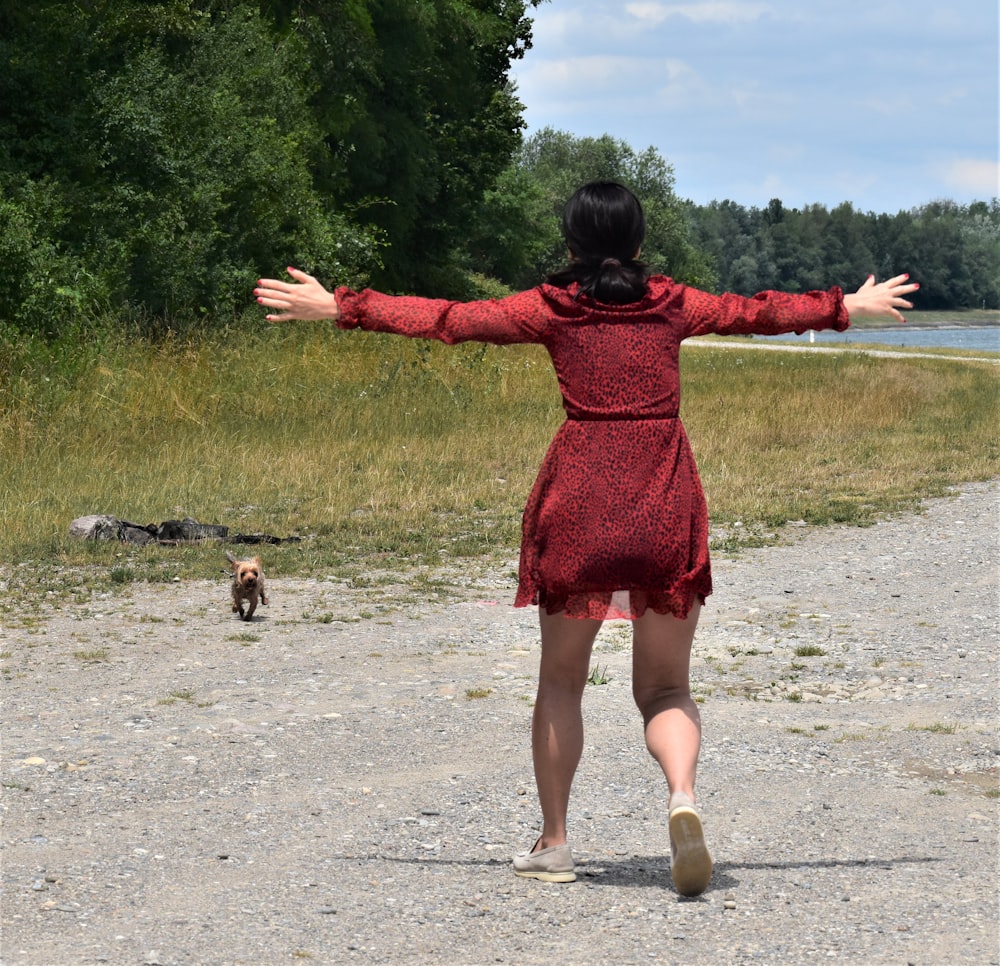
column 616, row 524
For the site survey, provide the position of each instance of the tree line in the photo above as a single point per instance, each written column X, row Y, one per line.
column 157, row 156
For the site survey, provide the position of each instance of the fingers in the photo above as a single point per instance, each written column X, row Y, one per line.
column 275, row 298
column 303, row 298
column 896, row 281
column 897, row 285
column 274, row 293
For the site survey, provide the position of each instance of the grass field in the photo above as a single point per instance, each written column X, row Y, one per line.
column 388, row 452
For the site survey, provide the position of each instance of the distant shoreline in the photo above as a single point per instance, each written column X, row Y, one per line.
column 922, row 319
column 873, row 326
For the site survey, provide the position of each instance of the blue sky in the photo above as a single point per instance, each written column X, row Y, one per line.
column 886, row 104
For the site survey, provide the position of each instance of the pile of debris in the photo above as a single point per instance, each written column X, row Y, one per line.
column 170, row 532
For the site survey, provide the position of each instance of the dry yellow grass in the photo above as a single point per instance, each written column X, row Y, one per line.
column 371, row 446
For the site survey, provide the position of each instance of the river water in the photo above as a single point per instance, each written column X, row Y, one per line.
column 980, row 338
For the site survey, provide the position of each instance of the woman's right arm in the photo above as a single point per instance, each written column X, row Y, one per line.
column 776, row 313
column 304, row 299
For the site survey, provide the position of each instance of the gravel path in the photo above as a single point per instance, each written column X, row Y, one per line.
column 319, row 786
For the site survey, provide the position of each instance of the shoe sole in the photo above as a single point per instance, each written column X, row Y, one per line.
column 548, row 876
column 691, row 868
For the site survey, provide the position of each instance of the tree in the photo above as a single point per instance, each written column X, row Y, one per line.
column 522, row 242
column 431, row 123
column 185, row 146
column 171, row 156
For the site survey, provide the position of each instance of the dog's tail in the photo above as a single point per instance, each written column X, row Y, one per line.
column 231, row 558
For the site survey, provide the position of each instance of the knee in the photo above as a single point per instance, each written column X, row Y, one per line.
column 566, row 686
column 651, row 700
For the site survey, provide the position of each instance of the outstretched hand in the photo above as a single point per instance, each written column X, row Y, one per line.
column 882, row 298
column 304, row 298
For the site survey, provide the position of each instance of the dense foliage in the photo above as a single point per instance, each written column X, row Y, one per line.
column 953, row 250
column 156, row 156
column 180, row 148
column 517, row 237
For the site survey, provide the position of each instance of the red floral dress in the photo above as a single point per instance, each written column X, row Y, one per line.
column 616, row 522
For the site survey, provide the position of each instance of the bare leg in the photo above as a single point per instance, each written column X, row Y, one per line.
column 661, row 660
column 557, row 721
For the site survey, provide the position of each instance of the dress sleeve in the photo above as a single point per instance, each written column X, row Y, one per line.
column 517, row 318
column 767, row 313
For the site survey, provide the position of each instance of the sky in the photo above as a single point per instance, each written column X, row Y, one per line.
column 886, row 104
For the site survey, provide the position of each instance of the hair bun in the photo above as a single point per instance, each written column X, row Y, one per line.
column 610, row 263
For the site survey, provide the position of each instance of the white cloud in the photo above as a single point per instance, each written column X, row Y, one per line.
column 981, row 178
column 753, row 99
column 707, row 11
column 581, row 75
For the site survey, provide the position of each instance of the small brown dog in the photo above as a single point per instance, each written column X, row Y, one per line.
column 248, row 585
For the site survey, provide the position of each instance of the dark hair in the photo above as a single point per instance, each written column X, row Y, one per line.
column 604, row 226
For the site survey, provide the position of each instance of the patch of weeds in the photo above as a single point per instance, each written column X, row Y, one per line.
column 473, row 694
column 797, row 731
column 992, row 792
column 375, row 654
column 794, row 696
column 937, row 727
column 809, row 650
column 92, row 657
column 246, row 638
column 821, row 727
column 121, row 575
column 851, row 736
column 878, row 662
column 619, row 638
column 937, row 791
column 598, row 676
column 795, row 666
column 330, row 618
column 175, row 696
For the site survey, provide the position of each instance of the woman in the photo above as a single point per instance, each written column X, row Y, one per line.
column 616, row 524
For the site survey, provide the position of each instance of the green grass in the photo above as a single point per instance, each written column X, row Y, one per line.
column 380, row 452
column 936, row 727
column 930, row 319
column 598, row 675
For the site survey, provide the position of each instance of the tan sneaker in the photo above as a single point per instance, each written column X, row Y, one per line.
column 691, row 864
column 554, row 864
